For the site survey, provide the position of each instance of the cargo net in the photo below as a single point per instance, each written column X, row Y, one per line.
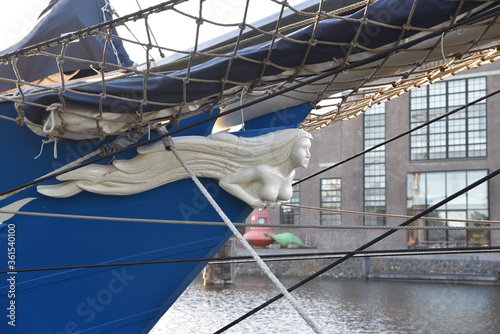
column 339, row 60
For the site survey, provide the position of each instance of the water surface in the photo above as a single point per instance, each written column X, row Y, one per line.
column 338, row 306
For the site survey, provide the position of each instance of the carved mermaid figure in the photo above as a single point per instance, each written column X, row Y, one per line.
column 257, row 170
column 269, row 183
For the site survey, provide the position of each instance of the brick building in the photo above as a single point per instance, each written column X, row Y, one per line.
column 409, row 174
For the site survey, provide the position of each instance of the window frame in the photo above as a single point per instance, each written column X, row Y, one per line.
column 374, row 165
column 475, row 129
column 335, row 204
column 448, row 210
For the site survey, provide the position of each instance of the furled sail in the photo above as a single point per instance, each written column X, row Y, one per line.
column 59, row 18
column 130, row 100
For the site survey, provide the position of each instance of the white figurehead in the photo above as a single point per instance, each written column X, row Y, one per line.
column 267, row 184
column 258, row 170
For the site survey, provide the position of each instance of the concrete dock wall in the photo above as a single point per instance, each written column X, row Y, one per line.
column 455, row 268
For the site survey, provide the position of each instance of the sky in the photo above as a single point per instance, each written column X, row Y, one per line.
column 19, row 19
column 171, row 30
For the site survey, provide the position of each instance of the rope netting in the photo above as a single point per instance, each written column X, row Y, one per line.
column 342, row 88
column 367, row 69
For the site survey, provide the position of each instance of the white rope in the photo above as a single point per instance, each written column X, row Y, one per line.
column 55, row 147
column 169, row 144
column 49, row 125
column 41, row 148
column 242, row 95
column 442, row 50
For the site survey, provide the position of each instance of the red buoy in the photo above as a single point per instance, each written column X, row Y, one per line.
column 259, row 237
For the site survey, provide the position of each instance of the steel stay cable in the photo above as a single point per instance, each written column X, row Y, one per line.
column 298, row 226
column 359, row 63
column 278, row 257
column 387, row 215
column 362, row 248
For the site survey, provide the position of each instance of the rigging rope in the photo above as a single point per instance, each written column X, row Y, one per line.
column 362, row 248
column 298, row 226
column 386, row 215
column 278, row 257
column 151, row 32
column 169, row 145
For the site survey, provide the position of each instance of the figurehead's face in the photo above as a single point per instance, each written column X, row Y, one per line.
column 300, row 154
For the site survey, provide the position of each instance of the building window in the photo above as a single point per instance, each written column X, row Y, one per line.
column 331, row 195
column 461, row 135
column 289, row 215
column 427, row 189
column 374, row 164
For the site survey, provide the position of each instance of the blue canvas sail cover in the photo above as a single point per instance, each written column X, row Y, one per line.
column 59, row 18
column 335, row 33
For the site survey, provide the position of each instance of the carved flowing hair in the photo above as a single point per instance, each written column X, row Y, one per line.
column 215, row 156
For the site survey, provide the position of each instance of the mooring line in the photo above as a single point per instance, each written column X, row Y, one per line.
column 169, row 144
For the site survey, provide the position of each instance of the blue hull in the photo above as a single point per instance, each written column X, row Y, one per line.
column 122, row 299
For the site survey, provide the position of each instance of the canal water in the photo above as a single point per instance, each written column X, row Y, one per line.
column 340, row 306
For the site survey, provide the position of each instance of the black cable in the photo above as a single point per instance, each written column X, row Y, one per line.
column 362, row 254
column 365, row 246
column 280, row 257
column 359, row 63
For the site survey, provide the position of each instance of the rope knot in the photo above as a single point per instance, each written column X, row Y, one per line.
column 20, row 114
column 50, row 122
